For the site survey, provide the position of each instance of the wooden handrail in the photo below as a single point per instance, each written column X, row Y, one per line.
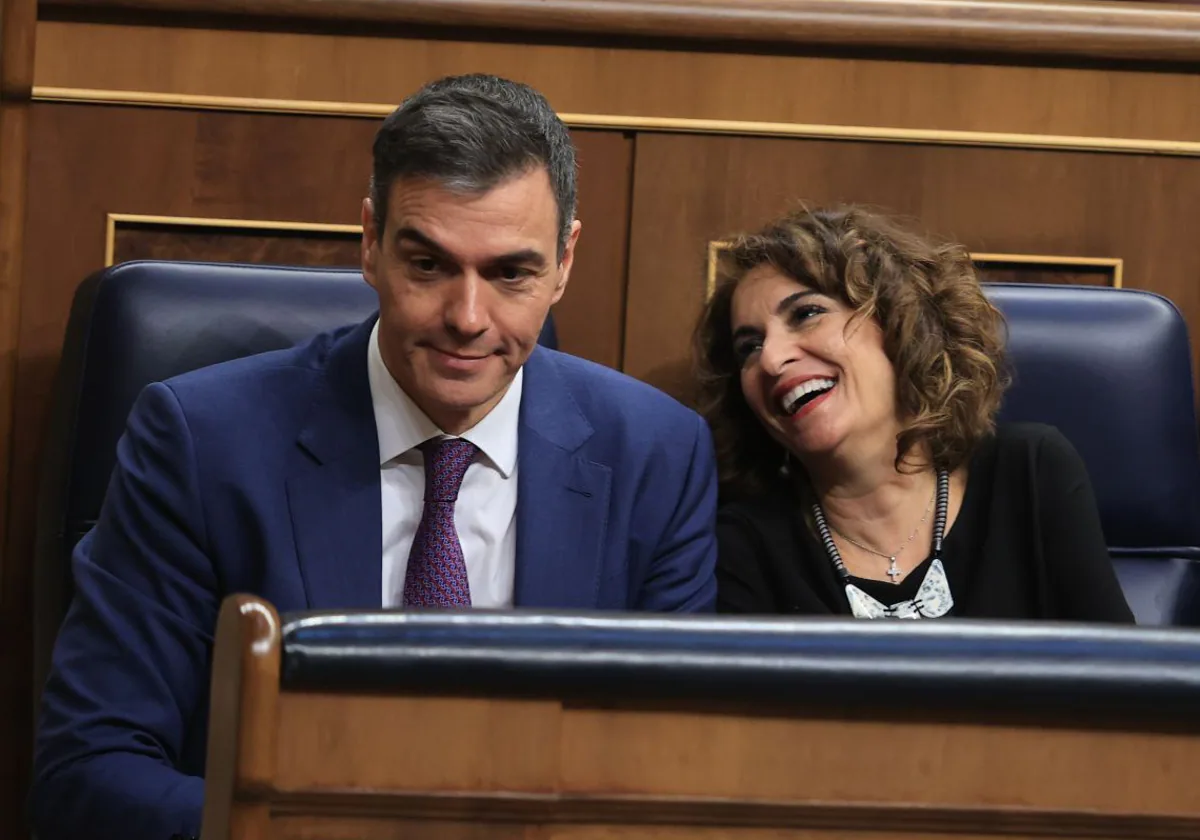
column 1131, row 31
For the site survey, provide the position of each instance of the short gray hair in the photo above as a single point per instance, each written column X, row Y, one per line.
column 470, row 133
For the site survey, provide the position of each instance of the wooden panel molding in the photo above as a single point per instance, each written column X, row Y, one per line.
column 1057, row 28
column 290, row 71
column 1039, row 268
column 1082, row 270
column 18, row 21
column 138, row 237
column 358, row 816
column 661, row 125
column 367, row 827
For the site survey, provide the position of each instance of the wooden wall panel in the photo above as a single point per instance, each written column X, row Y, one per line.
column 690, row 190
column 1065, row 269
column 88, row 161
column 308, row 828
column 591, row 316
column 1036, row 29
column 207, row 244
column 18, row 20
column 627, row 80
column 1039, row 274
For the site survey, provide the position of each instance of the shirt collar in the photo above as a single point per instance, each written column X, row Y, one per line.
column 402, row 426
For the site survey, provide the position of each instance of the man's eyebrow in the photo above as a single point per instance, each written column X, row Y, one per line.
column 411, row 234
column 527, row 256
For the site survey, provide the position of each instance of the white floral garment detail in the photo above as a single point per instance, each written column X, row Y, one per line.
column 933, row 599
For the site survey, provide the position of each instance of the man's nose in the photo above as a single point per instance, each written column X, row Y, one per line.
column 466, row 309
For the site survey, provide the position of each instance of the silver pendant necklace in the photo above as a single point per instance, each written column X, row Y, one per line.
column 933, row 598
column 893, row 571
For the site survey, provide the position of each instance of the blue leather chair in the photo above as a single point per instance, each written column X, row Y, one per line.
column 142, row 322
column 1111, row 368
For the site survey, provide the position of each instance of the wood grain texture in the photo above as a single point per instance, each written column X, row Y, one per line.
column 15, row 579
column 18, row 20
column 375, row 766
column 205, row 244
column 443, row 745
column 567, row 759
column 742, row 756
column 360, row 817
column 1074, row 28
column 1045, row 274
column 244, row 718
column 590, row 79
column 366, row 828
column 692, row 190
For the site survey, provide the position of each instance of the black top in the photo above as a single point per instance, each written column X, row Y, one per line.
column 1027, row 544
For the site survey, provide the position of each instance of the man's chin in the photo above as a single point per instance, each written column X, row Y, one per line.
column 457, row 409
column 466, row 393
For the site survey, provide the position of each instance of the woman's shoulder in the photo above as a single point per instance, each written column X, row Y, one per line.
column 768, row 520
column 1041, row 448
column 1039, row 440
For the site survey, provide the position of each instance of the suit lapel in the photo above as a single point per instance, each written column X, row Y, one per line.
column 562, row 498
column 333, row 492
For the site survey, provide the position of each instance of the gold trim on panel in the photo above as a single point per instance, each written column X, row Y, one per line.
column 714, row 250
column 672, row 125
column 204, row 102
column 110, row 238
column 1116, row 264
column 114, row 219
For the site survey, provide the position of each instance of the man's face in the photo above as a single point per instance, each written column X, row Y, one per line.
column 465, row 282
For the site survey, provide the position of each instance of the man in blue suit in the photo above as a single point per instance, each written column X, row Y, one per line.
column 433, row 457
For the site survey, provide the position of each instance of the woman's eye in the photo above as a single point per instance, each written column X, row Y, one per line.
column 743, row 350
column 804, row 313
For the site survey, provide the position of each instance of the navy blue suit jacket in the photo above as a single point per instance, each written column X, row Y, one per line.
column 262, row 476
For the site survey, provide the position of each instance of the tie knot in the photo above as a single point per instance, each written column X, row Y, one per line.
column 446, row 462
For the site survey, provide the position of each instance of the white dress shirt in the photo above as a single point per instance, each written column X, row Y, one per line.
column 485, row 514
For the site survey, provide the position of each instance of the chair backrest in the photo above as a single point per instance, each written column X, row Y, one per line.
column 143, row 322
column 1111, row 368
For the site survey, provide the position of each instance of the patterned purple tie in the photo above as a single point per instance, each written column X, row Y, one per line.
column 437, row 570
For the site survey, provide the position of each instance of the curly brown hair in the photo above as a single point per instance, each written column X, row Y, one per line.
column 943, row 336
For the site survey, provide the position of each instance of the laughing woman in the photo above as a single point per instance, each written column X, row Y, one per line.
column 851, row 372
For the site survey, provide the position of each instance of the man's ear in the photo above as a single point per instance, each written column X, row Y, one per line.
column 370, row 242
column 568, row 261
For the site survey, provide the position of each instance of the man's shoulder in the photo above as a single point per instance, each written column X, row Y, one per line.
column 248, row 380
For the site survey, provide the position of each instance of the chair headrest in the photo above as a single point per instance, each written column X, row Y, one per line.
column 1111, row 368
column 142, row 322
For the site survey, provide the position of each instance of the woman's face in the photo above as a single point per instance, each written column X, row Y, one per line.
column 817, row 378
